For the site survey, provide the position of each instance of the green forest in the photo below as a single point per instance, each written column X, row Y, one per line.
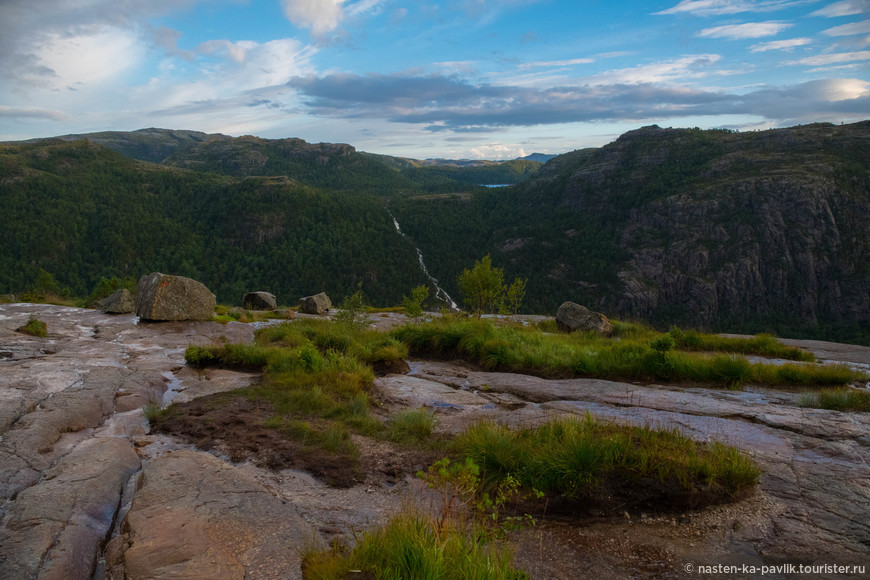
column 720, row 230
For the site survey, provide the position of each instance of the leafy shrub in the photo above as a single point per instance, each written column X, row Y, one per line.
column 413, row 304
column 352, row 313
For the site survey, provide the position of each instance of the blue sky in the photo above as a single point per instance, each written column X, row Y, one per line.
column 492, row 79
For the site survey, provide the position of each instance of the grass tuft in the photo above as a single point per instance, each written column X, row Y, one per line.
column 843, row 399
column 411, row 426
column 413, row 545
column 572, row 457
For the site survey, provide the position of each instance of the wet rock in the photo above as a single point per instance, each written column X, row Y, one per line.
column 259, row 301
column 571, row 317
column 198, row 517
column 163, row 297
column 55, row 528
column 119, row 302
column 316, row 304
column 67, row 420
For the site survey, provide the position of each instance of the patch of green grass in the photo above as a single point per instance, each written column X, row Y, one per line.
column 412, row 426
column 224, row 314
column 637, row 354
column 35, row 327
column 152, row 411
column 572, row 457
column 843, row 399
column 762, row 345
column 413, row 545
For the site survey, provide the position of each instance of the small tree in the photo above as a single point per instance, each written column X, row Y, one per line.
column 352, row 311
column 513, row 296
column 413, row 305
column 482, row 286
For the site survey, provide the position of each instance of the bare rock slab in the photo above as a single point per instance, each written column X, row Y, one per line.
column 163, row 297
column 196, row 516
column 55, row 528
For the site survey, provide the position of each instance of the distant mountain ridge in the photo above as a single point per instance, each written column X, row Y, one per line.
column 153, row 145
column 760, row 231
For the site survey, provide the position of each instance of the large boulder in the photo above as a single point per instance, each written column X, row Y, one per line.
column 163, row 297
column 317, row 304
column 259, row 301
column 119, row 302
column 571, row 317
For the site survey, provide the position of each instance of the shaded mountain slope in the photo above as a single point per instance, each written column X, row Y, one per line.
column 725, row 230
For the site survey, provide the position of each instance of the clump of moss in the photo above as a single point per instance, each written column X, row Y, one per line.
column 34, row 327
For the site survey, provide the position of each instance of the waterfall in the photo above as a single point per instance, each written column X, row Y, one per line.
column 439, row 291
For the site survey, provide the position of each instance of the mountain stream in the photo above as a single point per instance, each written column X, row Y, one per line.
column 440, row 293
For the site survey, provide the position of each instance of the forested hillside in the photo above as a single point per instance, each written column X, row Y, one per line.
column 730, row 231
column 762, row 231
column 82, row 212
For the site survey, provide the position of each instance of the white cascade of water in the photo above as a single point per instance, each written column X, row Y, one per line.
column 440, row 293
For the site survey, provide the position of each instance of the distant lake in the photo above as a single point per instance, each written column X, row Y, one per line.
column 496, row 184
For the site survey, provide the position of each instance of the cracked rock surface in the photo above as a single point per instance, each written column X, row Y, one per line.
column 814, row 495
column 70, row 413
column 86, row 492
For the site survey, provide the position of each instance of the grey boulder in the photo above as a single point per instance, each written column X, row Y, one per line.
column 119, row 302
column 571, row 317
column 259, row 301
column 317, row 304
column 163, row 297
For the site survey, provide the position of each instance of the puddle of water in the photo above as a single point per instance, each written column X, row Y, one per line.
column 173, row 387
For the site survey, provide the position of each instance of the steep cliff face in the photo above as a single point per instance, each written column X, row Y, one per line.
column 752, row 248
column 720, row 229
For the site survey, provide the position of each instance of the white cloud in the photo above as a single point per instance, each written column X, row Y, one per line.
column 780, row 44
column 321, row 16
column 32, row 113
column 235, row 51
column 685, row 67
column 835, row 58
column 556, row 63
column 365, row 7
column 849, row 29
column 498, row 151
column 719, row 7
column 846, row 8
column 86, row 60
column 747, row 30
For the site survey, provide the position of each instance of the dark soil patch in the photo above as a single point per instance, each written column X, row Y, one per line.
column 383, row 368
column 618, row 495
column 234, row 425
